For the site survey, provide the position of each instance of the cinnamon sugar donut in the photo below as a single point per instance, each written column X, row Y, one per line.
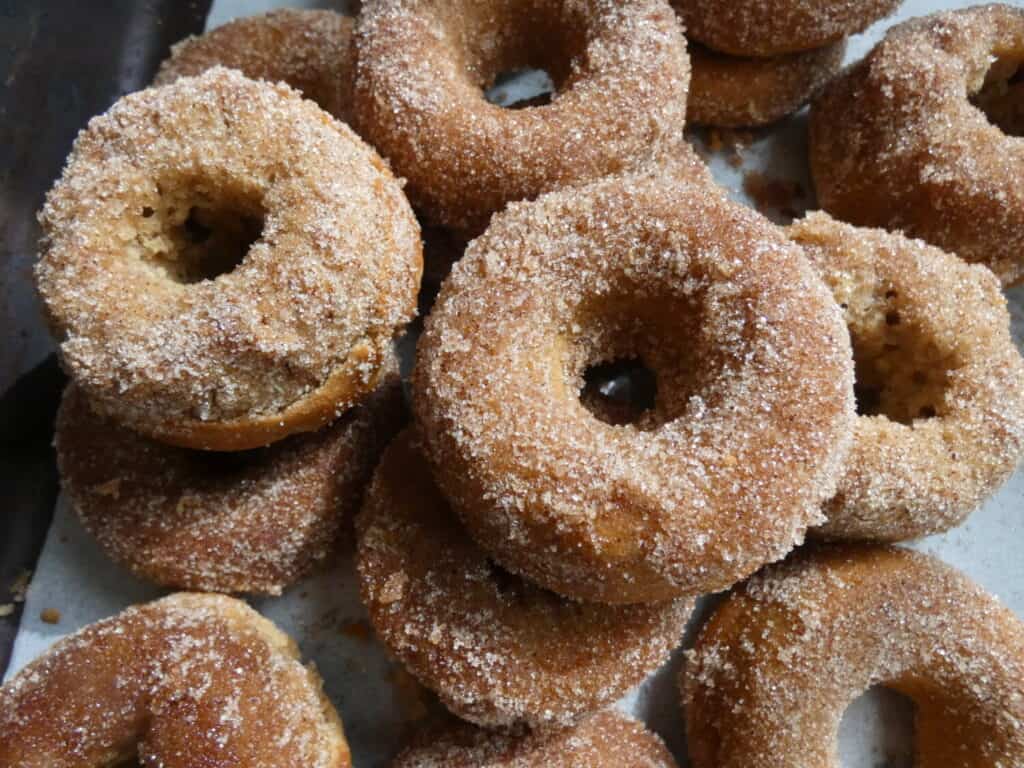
column 896, row 142
column 749, row 424
column 310, row 50
column 939, row 381
column 606, row 740
column 160, row 327
column 780, row 660
column 190, row 680
column 777, row 27
column 236, row 522
column 497, row 649
column 734, row 91
column 620, row 70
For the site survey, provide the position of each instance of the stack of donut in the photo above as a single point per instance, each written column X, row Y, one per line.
column 630, row 391
column 756, row 61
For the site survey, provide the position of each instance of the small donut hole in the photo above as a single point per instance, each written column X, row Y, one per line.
column 899, row 374
column 191, row 238
column 1001, row 97
column 619, row 392
column 521, row 88
column 877, row 729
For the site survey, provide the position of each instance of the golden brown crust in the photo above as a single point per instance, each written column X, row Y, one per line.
column 777, row 27
column 895, row 142
column 309, row 50
column 253, row 522
column 185, row 681
column 754, row 406
column 606, row 740
column 498, row 650
column 620, row 67
column 939, row 377
column 779, row 661
column 285, row 342
column 734, row 92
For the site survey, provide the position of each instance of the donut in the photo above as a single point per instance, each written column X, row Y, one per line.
column 747, row 429
column 253, row 521
column 310, row 50
column 736, row 92
column 621, row 75
column 776, row 27
column 190, row 680
column 154, row 324
column 606, row 740
column 498, row 650
column 776, row 665
column 897, row 141
column 938, row 379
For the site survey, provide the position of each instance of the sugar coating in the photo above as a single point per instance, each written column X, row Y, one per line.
column 896, row 142
column 621, row 75
column 779, row 661
column 606, row 740
column 497, row 649
column 737, row 91
column 287, row 340
column 253, row 522
column 310, row 50
column 189, row 680
column 754, row 407
column 932, row 345
column 776, row 27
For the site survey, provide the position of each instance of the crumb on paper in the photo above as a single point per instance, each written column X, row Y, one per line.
column 50, row 616
column 19, row 588
column 774, row 195
column 6, row 609
column 357, row 630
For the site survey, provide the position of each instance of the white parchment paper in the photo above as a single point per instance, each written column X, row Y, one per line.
column 325, row 616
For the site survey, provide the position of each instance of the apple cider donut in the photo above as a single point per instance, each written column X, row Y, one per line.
column 224, row 264
column 903, row 141
column 780, row 660
column 620, row 70
column 748, row 426
column 777, row 27
column 497, row 650
column 938, row 379
column 606, row 740
column 189, row 680
column 736, row 92
column 253, row 521
column 310, row 50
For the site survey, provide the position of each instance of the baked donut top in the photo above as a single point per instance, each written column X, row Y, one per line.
column 333, row 272
column 619, row 69
column 777, row 664
column 189, row 680
column 753, row 370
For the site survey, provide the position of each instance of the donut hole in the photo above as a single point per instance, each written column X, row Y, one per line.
column 190, row 235
column 522, row 88
column 619, row 392
column 900, row 373
column 522, row 59
column 638, row 362
column 1001, row 96
column 878, row 728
